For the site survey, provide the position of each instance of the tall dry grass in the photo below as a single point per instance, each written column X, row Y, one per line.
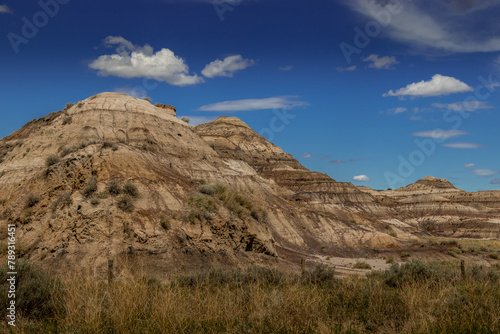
column 414, row 298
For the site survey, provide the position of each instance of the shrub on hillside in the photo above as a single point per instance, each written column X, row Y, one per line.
column 63, row 200
column 362, row 265
column 51, row 160
column 130, row 189
column 125, row 203
column 35, row 290
column 32, row 200
column 91, row 186
column 201, row 206
column 114, row 188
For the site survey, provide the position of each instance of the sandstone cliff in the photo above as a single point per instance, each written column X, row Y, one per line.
column 191, row 197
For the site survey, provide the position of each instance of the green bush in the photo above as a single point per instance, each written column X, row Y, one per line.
column 320, row 275
column 130, row 189
column 493, row 256
column 111, row 145
column 405, row 255
column 114, row 188
column 26, row 216
column 91, row 186
column 51, row 160
column 362, row 265
column 453, row 251
column 68, row 105
column 207, row 189
column 238, row 278
column 68, row 150
column 165, row 223
column 32, row 200
column 417, row 272
column 35, row 290
column 63, row 200
column 450, row 243
column 94, row 201
column 125, row 203
column 67, row 120
column 201, row 206
column 102, row 195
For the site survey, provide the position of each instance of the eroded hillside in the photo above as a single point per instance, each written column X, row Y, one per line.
column 114, row 177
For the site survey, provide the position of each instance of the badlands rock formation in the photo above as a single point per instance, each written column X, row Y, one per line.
column 212, row 195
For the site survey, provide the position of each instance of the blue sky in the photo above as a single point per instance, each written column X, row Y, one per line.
column 378, row 93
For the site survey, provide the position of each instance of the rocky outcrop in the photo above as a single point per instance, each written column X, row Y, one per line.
column 170, row 109
column 55, row 173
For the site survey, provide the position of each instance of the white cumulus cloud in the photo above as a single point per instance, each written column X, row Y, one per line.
column 279, row 102
column 469, row 165
column 381, row 62
column 131, row 61
column 226, row 67
column 440, row 134
column 361, row 178
column 438, row 85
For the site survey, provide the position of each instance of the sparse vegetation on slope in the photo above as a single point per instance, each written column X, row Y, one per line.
column 91, row 186
column 114, row 188
column 125, row 203
column 51, row 160
column 205, row 203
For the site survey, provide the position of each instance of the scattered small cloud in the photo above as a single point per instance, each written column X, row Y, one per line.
column 132, row 61
column 134, row 92
column 381, row 62
column 343, row 161
column 346, row 69
column 418, row 110
column 279, row 102
column 484, row 172
column 469, row 165
column 305, row 155
column 440, row 134
column 394, row 111
column 437, row 86
column 463, row 106
column 286, row 68
column 226, row 67
column 361, row 178
column 4, row 9
column 415, row 118
column 463, row 145
column 197, row 120
column 495, row 181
